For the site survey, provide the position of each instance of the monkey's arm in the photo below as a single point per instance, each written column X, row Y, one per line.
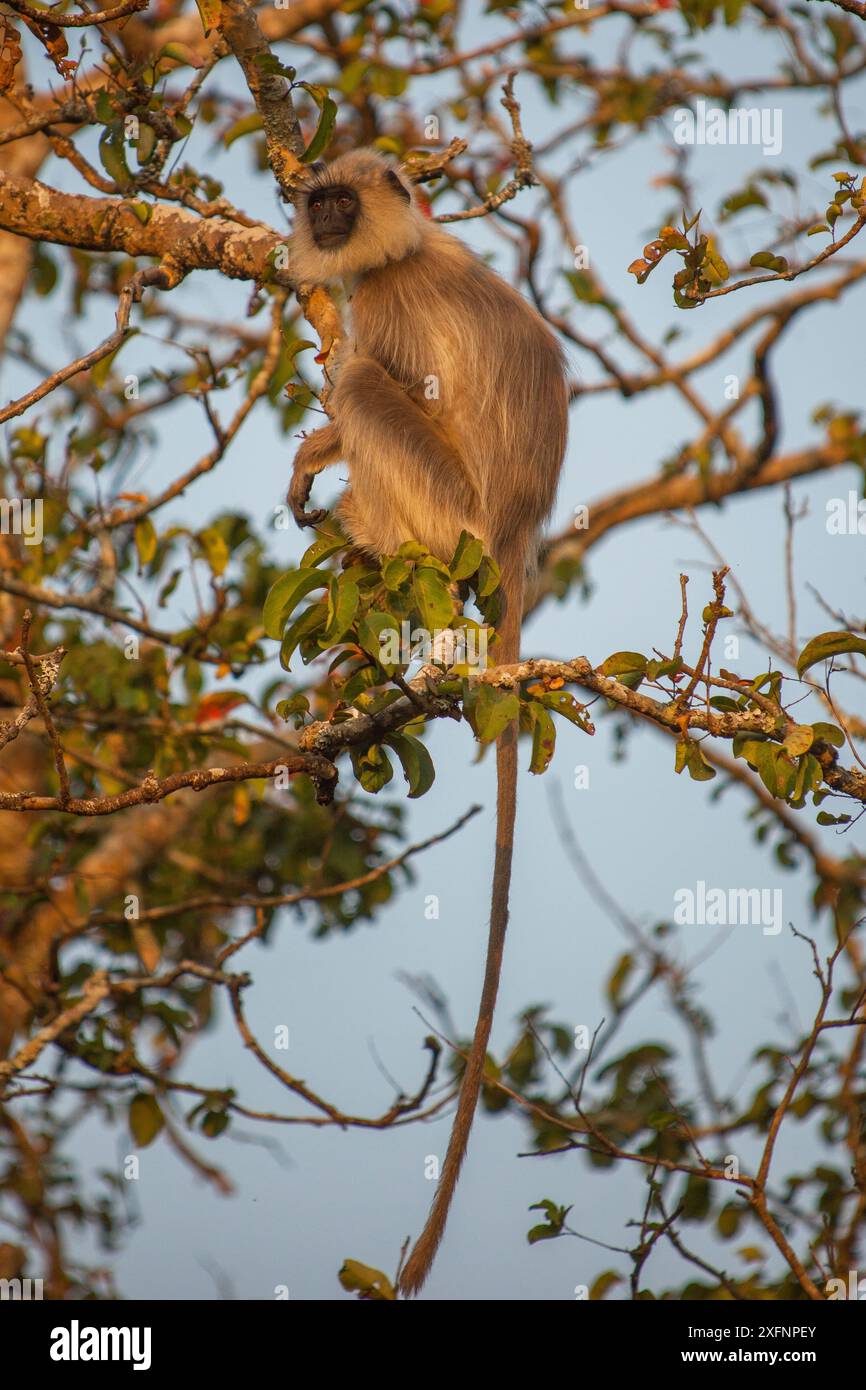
column 319, row 450
column 407, row 477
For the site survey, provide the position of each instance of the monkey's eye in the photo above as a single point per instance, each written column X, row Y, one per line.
column 316, row 206
column 344, row 202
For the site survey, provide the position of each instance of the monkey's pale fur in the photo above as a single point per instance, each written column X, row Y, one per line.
column 450, row 400
column 450, row 409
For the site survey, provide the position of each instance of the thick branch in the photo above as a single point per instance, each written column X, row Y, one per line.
column 675, row 493
column 270, row 91
column 32, row 209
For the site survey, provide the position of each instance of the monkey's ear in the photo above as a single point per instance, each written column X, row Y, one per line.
column 398, row 185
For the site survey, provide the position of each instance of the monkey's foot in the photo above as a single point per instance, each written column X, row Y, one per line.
column 356, row 556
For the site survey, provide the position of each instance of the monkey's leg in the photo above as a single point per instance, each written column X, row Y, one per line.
column 319, row 450
column 407, row 477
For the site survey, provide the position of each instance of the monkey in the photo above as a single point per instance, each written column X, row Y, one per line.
column 449, row 407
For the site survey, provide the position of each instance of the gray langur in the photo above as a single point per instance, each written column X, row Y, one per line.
column 482, row 454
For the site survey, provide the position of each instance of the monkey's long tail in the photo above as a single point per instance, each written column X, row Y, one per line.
column 424, row 1252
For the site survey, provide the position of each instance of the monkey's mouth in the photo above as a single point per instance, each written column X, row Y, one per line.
column 326, row 240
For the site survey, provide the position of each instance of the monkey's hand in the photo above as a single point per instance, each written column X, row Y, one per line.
column 317, row 451
column 298, row 493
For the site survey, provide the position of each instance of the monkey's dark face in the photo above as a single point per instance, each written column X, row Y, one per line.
column 332, row 212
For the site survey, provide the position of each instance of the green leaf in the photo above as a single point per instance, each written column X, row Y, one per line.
column 143, row 211
column 493, row 711
column 467, row 557
column 169, row 587
column 713, row 266
column 214, row 546
column 295, row 707
column 214, row 1122
column 145, row 540
column 617, row 982
column 395, row 571
column 370, row 1284
column 786, row 775
column 353, row 74
column 211, row 14
column 105, row 111
column 112, row 156
column 777, row 773
column 44, row 274
column 285, row 594
column 245, row 126
column 828, row 644
column 432, row 562
column 772, row 679
column 748, row 748
column 323, row 548
column 416, row 762
column 489, row 577
column 473, row 636
column 270, row 63
column 370, row 630
column 101, row 370
column 799, row 740
column 432, row 599
column 372, row 768
column 728, row 1220
column 145, row 1118
column 355, row 691
column 608, row 1280
column 564, row 703
column 629, row 668
column 656, row 669
column 537, row 1233
column 327, row 120
column 543, row 739
column 749, row 197
column 829, row 734
column 146, row 143
column 387, row 81
column 555, row 1221
column 699, row 768
column 304, row 627
column 688, row 755
column 809, row 776
column 766, row 260
column 586, row 290
column 343, row 599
